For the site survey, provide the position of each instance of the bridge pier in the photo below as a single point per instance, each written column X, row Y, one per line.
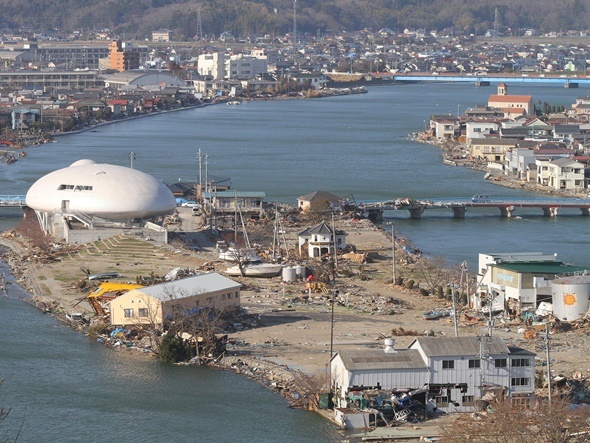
column 416, row 212
column 550, row 211
column 459, row 211
column 506, row 211
column 375, row 214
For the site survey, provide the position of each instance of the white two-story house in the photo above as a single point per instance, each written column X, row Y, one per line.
column 321, row 239
column 563, row 174
column 454, row 374
column 479, row 129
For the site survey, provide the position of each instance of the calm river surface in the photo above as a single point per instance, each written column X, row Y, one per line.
column 63, row 388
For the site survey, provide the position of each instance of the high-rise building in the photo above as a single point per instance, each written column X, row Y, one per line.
column 122, row 57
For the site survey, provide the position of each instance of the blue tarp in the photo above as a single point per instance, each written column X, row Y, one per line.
column 117, row 331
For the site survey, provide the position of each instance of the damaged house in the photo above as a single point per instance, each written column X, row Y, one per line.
column 452, row 374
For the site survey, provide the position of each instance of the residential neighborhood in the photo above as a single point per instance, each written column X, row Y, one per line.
column 57, row 82
column 507, row 137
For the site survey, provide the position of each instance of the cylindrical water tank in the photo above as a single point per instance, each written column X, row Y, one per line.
column 300, row 271
column 289, row 274
column 570, row 297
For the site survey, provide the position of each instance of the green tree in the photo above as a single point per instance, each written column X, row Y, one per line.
column 173, row 349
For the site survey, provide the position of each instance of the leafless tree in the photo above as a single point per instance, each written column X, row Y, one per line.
column 318, row 211
column 238, row 251
column 180, row 314
column 434, row 271
column 554, row 422
column 30, row 230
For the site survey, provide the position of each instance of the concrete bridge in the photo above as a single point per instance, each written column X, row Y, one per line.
column 12, row 201
column 459, row 206
column 568, row 81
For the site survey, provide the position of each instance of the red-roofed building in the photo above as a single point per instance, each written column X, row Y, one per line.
column 513, row 106
column 118, row 106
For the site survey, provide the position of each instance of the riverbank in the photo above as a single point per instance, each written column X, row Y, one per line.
column 292, row 327
column 454, row 154
column 285, row 338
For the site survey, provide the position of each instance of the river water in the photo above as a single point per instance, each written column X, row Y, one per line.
column 63, row 388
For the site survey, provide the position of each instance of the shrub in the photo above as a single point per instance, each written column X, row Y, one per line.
column 173, row 349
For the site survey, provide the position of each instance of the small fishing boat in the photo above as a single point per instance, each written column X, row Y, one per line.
column 261, row 270
column 432, row 315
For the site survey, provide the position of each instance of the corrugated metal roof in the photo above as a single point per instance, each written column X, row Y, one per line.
column 541, row 268
column 378, row 359
column 458, row 346
column 187, row 287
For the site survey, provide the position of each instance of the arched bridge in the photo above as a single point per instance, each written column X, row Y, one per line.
column 460, row 205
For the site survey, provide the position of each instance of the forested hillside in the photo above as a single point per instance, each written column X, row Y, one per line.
column 136, row 18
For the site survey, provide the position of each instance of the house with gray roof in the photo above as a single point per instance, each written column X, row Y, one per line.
column 153, row 305
column 321, row 239
column 316, row 199
column 453, row 374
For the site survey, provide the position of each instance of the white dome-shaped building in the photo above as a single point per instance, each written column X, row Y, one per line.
column 88, row 190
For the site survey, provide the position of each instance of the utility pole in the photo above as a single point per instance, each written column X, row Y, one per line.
column 393, row 254
column 334, row 295
column 334, row 243
column 548, row 363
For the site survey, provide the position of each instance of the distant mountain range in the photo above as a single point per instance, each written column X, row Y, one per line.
column 137, row 18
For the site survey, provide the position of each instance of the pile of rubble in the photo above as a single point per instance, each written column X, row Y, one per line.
column 353, row 297
column 574, row 387
column 299, row 389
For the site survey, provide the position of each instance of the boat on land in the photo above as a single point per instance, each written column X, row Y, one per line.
column 432, row 315
column 233, row 254
column 260, row 270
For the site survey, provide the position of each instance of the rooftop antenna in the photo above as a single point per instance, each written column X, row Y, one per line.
column 294, row 22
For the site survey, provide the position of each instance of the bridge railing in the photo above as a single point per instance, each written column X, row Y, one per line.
column 12, row 200
column 479, row 201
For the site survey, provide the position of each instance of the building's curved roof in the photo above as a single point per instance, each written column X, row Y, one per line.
column 144, row 78
column 103, row 190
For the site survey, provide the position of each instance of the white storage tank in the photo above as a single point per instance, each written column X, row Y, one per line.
column 570, row 297
column 289, row 274
column 300, row 271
